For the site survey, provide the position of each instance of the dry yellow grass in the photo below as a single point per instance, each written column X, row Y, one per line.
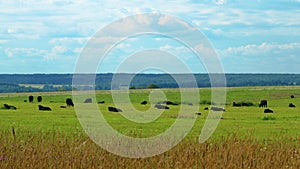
column 55, row 150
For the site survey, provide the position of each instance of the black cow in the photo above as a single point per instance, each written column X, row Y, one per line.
column 168, row 103
column 292, row 96
column 113, row 109
column 159, row 106
column 268, row 111
column 43, row 108
column 198, row 113
column 187, row 103
column 190, row 104
column 247, row 104
column 6, row 106
column 263, row 103
column 69, row 102
column 25, row 100
column 63, row 107
column 206, row 108
column 101, row 102
column 217, row 109
column 234, row 104
column 39, row 98
column 88, row 100
column 13, row 108
column 144, row 102
column 30, row 99
column 292, row 105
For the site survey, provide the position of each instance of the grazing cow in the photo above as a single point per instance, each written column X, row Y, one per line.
column 6, row 106
column 101, row 102
column 234, row 104
column 217, row 109
column 206, row 108
column 63, row 107
column 30, row 98
column 187, row 103
column 39, row 98
column 43, row 108
column 88, row 100
column 69, row 102
column 198, row 113
column 144, row 102
column 25, row 100
column 13, row 107
column 113, row 109
column 247, row 104
column 268, row 111
column 292, row 96
column 190, row 104
column 159, row 106
column 292, row 105
column 263, row 103
column 242, row 104
column 169, row 103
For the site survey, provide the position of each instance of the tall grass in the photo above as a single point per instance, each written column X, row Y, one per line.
column 57, row 150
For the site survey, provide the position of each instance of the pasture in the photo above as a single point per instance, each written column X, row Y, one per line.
column 245, row 137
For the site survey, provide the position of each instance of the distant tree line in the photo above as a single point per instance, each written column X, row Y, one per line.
column 63, row 82
column 13, row 88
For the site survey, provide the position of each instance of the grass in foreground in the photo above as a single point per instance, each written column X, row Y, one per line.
column 56, row 150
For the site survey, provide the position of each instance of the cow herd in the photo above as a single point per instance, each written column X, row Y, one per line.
column 263, row 103
column 69, row 103
column 158, row 105
column 242, row 104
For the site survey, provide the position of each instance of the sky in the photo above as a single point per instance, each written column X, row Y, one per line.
column 49, row 36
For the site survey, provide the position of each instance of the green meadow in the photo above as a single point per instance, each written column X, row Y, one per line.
column 239, row 120
column 28, row 124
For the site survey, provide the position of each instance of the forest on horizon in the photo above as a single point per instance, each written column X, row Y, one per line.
column 11, row 83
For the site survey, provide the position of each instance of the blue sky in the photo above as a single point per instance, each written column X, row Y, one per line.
column 47, row 36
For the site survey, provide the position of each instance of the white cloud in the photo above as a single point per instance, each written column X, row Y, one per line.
column 263, row 49
column 10, row 30
column 171, row 21
column 165, row 20
column 68, row 41
column 104, row 40
column 85, row 17
column 204, row 51
column 220, row 2
column 77, row 50
column 59, row 49
column 24, row 52
column 180, row 51
column 59, row 52
column 166, row 47
column 3, row 41
column 62, row 27
column 123, row 45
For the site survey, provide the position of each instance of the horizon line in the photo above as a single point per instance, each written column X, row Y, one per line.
column 153, row 73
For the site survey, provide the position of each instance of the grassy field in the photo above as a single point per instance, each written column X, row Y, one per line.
column 245, row 137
